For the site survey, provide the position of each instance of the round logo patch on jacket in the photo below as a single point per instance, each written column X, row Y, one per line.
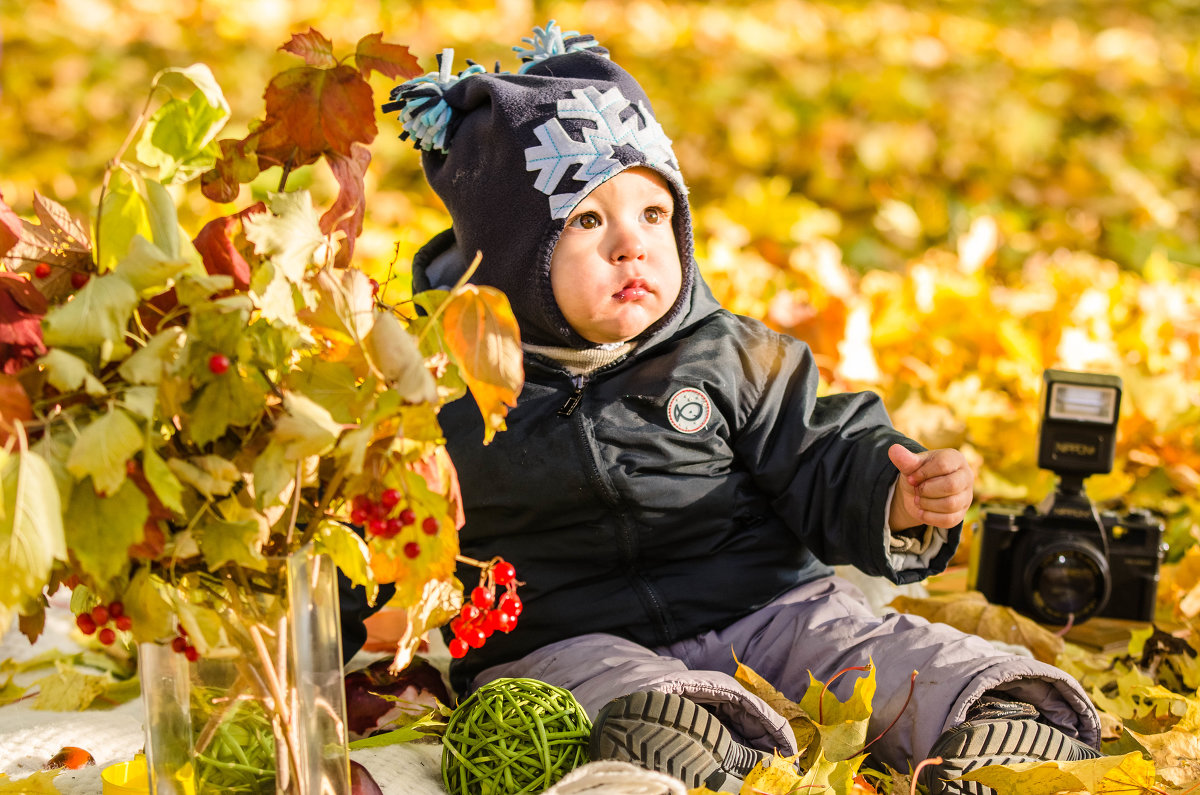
column 689, row 410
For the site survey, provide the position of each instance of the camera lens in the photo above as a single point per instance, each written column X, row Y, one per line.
column 1067, row 581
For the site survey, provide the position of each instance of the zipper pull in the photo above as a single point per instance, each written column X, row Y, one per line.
column 568, row 408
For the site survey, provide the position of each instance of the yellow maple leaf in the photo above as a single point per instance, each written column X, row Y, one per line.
column 1130, row 773
column 802, row 725
column 778, row 777
column 1176, row 755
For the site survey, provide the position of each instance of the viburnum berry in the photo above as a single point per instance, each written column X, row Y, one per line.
column 116, row 609
column 358, row 516
column 458, row 648
column 85, row 623
column 510, row 603
column 100, row 615
column 481, row 597
column 408, row 516
column 473, row 636
column 429, row 526
column 412, row 549
column 390, row 498
column 218, row 364
column 377, row 527
column 498, row 619
column 124, row 623
column 504, row 573
column 78, row 279
column 42, row 270
column 106, row 636
column 179, row 644
column 191, row 653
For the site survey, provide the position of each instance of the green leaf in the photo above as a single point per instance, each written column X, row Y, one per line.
column 67, row 373
column 394, row 352
column 305, row 429
column 141, row 402
column 290, row 234
column 100, row 531
column 239, row 543
column 134, row 206
column 146, row 364
column 166, row 486
column 71, row 690
column 103, row 448
column 350, row 553
column 201, row 77
column 95, row 319
column 226, row 400
column 275, row 297
column 178, row 138
column 10, row 691
column 211, row 475
column 152, row 615
column 274, row 477
column 149, row 269
column 31, row 526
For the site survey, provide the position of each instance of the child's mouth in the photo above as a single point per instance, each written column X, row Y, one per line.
column 634, row 290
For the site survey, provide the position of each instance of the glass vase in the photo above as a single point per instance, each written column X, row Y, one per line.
column 266, row 713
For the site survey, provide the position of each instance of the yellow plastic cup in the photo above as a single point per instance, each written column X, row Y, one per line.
column 126, row 778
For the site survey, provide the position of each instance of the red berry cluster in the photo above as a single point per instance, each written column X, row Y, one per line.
column 382, row 519
column 483, row 613
column 98, row 618
column 181, row 645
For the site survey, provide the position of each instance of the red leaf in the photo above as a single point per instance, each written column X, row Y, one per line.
column 14, row 406
column 390, row 60
column 311, row 112
column 217, row 248
column 346, row 214
column 237, row 165
column 313, row 47
column 10, row 227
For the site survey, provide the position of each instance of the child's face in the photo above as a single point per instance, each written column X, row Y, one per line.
column 615, row 269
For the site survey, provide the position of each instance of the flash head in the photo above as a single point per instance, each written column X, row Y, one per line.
column 1078, row 429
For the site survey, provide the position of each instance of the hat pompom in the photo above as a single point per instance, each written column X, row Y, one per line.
column 549, row 41
column 424, row 113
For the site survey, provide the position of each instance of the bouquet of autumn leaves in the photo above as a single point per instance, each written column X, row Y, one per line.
column 178, row 412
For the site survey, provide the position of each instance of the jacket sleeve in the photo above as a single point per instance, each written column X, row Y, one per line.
column 824, row 459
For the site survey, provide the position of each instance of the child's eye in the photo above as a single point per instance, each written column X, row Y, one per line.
column 654, row 215
column 585, row 221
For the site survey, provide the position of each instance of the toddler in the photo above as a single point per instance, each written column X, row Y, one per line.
column 671, row 488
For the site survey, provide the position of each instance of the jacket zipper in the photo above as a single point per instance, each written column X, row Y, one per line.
column 573, row 400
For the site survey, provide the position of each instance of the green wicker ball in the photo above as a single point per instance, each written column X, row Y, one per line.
column 513, row 737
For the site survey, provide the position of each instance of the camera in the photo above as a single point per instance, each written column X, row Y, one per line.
column 1065, row 561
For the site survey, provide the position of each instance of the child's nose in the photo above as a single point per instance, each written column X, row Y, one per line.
column 626, row 243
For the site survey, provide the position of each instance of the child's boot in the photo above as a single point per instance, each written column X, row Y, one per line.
column 673, row 735
column 996, row 732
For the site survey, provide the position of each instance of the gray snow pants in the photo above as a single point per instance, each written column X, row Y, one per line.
column 822, row 627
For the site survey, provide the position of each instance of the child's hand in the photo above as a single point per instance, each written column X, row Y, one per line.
column 934, row 487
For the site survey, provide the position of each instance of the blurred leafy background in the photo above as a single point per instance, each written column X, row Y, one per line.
column 943, row 198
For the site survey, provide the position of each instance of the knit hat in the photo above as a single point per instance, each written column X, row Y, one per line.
column 511, row 155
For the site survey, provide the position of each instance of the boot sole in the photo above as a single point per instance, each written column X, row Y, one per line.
column 1003, row 742
column 670, row 734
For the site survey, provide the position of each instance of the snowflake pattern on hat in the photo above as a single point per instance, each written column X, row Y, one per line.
column 557, row 150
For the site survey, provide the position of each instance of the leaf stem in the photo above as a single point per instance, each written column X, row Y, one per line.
column 832, row 679
column 912, row 787
column 912, row 682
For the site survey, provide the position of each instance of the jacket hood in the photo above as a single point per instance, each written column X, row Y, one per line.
column 511, row 155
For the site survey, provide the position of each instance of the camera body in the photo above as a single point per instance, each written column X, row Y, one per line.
column 1065, row 561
